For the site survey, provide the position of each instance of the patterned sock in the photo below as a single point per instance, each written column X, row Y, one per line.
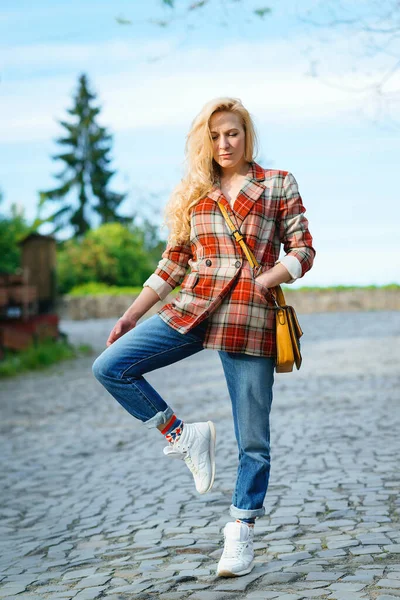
column 173, row 429
column 249, row 522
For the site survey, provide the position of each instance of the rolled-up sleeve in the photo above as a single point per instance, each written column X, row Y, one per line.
column 293, row 231
column 170, row 270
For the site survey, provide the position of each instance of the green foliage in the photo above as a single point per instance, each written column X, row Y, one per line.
column 123, row 21
column 85, row 148
column 112, row 254
column 342, row 288
column 102, row 289
column 261, row 12
column 198, row 4
column 42, row 355
column 390, row 286
column 13, row 228
column 99, row 289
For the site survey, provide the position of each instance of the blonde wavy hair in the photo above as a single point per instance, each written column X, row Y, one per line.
column 201, row 169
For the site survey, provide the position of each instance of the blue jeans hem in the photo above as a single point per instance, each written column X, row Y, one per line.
column 159, row 418
column 241, row 513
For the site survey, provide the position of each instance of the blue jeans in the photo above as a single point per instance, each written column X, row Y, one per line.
column 153, row 344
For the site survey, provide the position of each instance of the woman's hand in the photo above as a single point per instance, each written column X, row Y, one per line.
column 263, row 288
column 122, row 326
column 275, row 276
column 146, row 299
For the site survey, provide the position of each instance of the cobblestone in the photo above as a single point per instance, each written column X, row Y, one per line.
column 394, row 548
column 391, row 583
column 90, row 508
column 314, row 593
column 261, row 595
column 324, row 576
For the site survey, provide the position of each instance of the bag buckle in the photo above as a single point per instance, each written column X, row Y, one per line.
column 239, row 235
column 277, row 306
column 256, row 271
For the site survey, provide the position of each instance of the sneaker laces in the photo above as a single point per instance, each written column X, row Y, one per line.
column 234, row 548
column 190, row 464
column 183, row 450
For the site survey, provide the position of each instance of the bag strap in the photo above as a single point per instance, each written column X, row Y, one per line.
column 239, row 238
column 276, row 291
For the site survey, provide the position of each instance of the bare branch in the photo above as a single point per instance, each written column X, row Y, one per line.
column 199, row 4
column 375, row 28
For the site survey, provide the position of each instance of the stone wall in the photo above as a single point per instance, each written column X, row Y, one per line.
column 96, row 307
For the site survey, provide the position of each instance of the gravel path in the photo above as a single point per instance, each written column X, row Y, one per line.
column 91, row 508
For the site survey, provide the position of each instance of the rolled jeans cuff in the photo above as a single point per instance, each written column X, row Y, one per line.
column 241, row 513
column 159, row 418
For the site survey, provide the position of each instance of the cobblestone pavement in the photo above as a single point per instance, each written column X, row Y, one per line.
column 91, row 508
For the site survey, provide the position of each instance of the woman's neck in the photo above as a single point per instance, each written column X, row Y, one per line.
column 237, row 172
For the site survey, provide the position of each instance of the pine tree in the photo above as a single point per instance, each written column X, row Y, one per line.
column 86, row 167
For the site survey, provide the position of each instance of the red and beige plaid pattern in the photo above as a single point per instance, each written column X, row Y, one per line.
column 269, row 212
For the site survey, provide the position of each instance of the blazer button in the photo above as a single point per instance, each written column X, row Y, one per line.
column 237, row 264
column 208, row 262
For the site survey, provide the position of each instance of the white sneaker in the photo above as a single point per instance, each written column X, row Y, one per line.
column 196, row 446
column 238, row 554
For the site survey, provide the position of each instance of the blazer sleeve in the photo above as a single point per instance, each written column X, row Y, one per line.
column 170, row 270
column 293, row 230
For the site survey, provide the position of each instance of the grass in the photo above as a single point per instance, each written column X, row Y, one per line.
column 96, row 289
column 102, row 289
column 346, row 288
column 43, row 354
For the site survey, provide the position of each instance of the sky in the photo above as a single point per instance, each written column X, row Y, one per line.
column 307, row 88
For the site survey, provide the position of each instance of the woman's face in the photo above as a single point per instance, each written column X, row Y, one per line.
column 228, row 138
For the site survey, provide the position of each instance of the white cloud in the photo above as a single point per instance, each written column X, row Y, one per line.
column 267, row 75
column 61, row 55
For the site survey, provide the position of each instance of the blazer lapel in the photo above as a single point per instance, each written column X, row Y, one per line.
column 250, row 192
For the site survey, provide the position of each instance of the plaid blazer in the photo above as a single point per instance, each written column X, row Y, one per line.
column 219, row 284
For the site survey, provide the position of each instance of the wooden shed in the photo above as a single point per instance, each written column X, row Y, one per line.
column 39, row 264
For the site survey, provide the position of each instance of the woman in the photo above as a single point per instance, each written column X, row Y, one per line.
column 222, row 305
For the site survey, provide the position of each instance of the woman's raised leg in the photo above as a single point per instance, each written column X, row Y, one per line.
column 150, row 345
